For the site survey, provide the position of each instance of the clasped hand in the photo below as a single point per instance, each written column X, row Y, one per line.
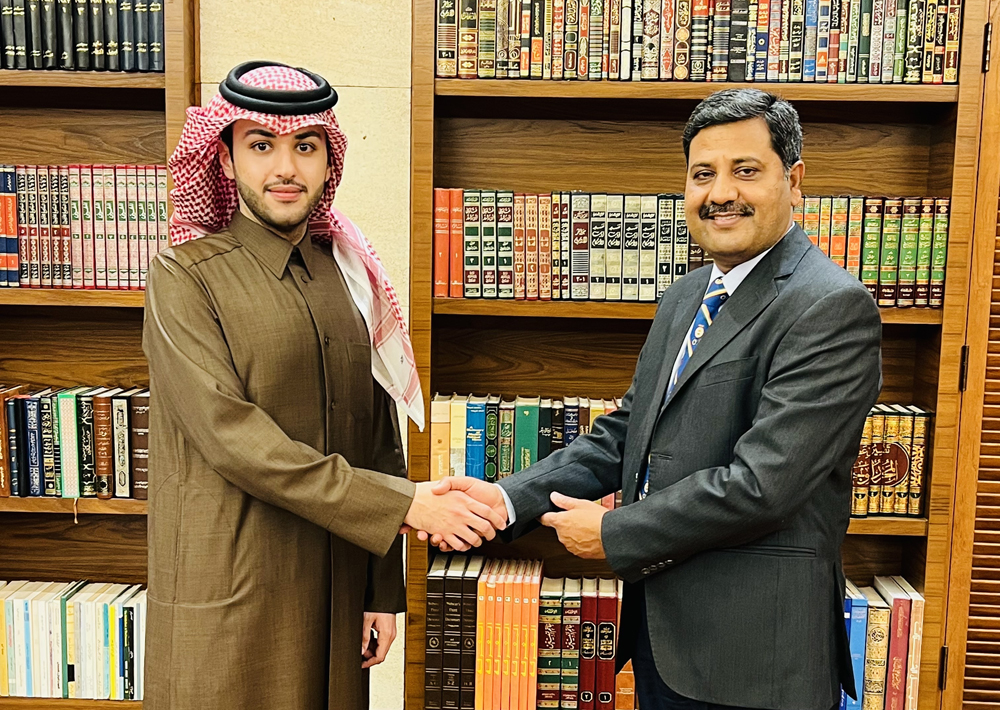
column 459, row 513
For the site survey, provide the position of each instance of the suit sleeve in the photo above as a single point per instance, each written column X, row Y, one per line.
column 824, row 378
column 192, row 373
column 386, row 591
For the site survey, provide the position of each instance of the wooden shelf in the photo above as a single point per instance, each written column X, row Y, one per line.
column 916, row 527
column 913, row 93
column 71, row 297
column 82, row 79
column 71, row 704
column 86, row 506
column 622, row 311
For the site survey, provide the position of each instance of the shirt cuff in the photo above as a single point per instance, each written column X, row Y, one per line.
column 511, row 515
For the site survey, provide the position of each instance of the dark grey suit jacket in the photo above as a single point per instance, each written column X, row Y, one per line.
column 737, row 546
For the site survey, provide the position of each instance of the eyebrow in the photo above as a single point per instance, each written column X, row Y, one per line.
column 260, row 132
column 308, row 134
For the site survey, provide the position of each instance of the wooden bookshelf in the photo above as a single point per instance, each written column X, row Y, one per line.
column 601, row 136
column 63, row 337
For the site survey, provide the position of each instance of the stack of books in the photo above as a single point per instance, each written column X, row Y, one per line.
column 72, row 640
column 816, row 41
column 76, row 442
column 888, row 475
column 113, row 35
column 601, row 247
column 81, row 226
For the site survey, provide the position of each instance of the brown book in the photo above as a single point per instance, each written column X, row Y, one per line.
column 5, row 394
column 893, row 460
column 875, row 483
column 104, row 449
column 918, row 458
column 903, row 454
column 139, row 443
column 861, row 473
column 584, row 416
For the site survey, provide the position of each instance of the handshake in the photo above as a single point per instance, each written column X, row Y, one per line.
column 459, row 513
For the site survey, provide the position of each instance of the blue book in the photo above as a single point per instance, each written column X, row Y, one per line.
column 760, row 58
column 27, row 647
column 475, row 438
column 33, row 435
column 810, row 39
column 13, row 261
column 858, row 636
column 847, row 623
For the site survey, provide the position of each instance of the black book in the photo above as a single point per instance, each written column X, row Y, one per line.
column 128, row 652
column 34, row 34
column 544, row 428
column 738, row 40
column 66, row 45
column 141, row 11
column 492, row 438
column 126, row 36
column 49, row 34
column 433, row 632
column 470, row 599
column 111, row 35
column 451, row 641
column 20, row 19
column 155, row 17
column 7, row 32
column 97, row 58
column 85, row 442
column 47, row 437
column 557, row 425
column 16, row 446
column 81, row 34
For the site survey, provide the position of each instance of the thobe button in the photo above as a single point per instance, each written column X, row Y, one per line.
column 326, row 341
column 333, row 405
column 645, row 570
column 305, row 279
column 670, row 562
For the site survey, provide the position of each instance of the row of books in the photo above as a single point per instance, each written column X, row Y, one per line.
column 111, row 35
column 81, row 226
column 885, row 628
column 501, row 636
column 601, row 247
column 888, row 475
column 491, row 438
column 72, row 640
column 77, row 442
column 827, row 41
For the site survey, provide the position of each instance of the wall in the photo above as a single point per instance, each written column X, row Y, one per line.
column 363, row 49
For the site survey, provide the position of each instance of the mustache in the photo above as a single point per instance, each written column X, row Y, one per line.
column 277, row 183
column 707, row 211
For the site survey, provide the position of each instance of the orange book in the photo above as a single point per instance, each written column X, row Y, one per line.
column 442, row 240
column 517, row 630
column 456, row 288
column 481, row 625
column 533, row 588
column 625, row 689
column 491, row 640
column 522, row 650
column 498, row 609
column 508, row 631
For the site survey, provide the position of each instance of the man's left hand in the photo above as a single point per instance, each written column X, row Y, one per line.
column 578, row 526
column 385, row 626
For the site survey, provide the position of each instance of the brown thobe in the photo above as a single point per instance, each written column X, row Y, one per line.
column 270, row 530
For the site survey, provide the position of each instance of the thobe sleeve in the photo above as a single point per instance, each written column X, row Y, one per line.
column 386, row 591
column 192, row 374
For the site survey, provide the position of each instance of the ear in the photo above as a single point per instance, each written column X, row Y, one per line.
column 795, row 176
column 329, row 173
column 226, row 159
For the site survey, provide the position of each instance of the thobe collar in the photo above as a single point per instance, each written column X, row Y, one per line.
column 271, row 249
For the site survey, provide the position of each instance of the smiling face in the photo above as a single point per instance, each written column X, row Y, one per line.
column 280, row 179
column 738, row 195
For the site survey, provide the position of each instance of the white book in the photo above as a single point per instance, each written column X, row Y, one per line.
column 631, row 226
column 140, row 635
column 613, row 247
column 457, row 434
column 664, row 243
column 86, row 675
column 598, row 236
column 23, row 665
column 647, row 248
column 505, row 244
column 488, row 234
column 107, row 638
column 565, row 241
column 579, row 267
column 120, row 430
column 7, row 636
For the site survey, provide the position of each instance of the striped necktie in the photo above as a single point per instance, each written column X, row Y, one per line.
column 710, row 305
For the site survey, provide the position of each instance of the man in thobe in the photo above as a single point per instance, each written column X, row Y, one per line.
column 277, row 353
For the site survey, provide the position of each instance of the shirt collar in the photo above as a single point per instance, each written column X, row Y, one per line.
column 738, row 273
column 270, row 249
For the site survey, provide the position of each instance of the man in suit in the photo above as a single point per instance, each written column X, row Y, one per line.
column 734, row 445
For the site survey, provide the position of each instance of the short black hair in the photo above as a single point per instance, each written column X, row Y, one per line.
column 227, row 137
column 733, row 105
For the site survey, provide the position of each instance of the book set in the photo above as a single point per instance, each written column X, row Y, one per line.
column 81, row 226
column 96, row 35
column 888, row 475
column 77, row 442
column 72, row 640
column 601, row 247
column 502, row 636
column 825, row 41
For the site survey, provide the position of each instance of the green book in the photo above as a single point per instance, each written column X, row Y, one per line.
column 889, row 263
column 899, row 51
column 69, row 459
column 525, row 432
column 925, row 239
column 492, row 438
column 939, row 252
column 908, row 239
column 473, row 246
column 506, row 439
column 864, row 41
column 870, row 239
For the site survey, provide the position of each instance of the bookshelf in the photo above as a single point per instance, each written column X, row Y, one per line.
column 66, row 337
column 601, row 136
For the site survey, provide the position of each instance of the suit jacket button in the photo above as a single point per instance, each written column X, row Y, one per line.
column 645, row 570
column 670, row 562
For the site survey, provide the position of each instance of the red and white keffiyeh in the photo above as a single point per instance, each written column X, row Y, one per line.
column 205, row 201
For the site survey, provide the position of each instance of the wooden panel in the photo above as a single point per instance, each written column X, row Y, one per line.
column 68, row 79
column 45, row 346
column 74, row 506
column 109, row 548
column 71, row 297
column 64, row 137
column 537, row 155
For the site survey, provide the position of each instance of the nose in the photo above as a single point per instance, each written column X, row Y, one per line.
column 724, row 189
column 284, row 167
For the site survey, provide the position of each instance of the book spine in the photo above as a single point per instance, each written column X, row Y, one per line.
column 666, row 69
column 565, row 246
column 487, row 39
column 111, row 235
column 738, row 40
column 85, row 423
column 889, row 259
column 940, row 39
column 823, row 40
column 759, row 28
column 861, row 473
column 558, row 37
column 908, row 242
column 853, row 43
column 505, row 245
column 876, row 458
column 55, row 228
column 69, row 444
column 19, row 20
column 157, row 60
column 925, row 239
column 451, row 665
column 23, row 238
column 139, row 445
column 596, row 42
column 123, row 226
column 631, row 229
column 796, row 40
column 34, row 445
column 953, row 39
column 7, row 33
column 580, row 258
column 876, row 653
column 930, row 31
column 598, row 243
column 446, row 48
column 570, row 675
column 48, row 450
column 650, row 39
column 638, row 23
column 519, row 247
column 556, row 238
column 607, row 634
column 914, row 42
column 664, row 243
column 536, row 65
column 545, row 247
column 720, row 40
column 140, row 10
column 605, row 39
column 899, row 51
column 699, row 40
column 774, row 34
column 682, row 40
column 588, row 650
column 865, row 54
column 11, row 212
column 614, row 12
column 162, row 222
column 888, row 460
column 903, row 457
column 681, row 239
column 825, row 217
column 34, row 250
column 531, row 247
column 126, row 35
column 918, row 458
column 87, row 226
column 875, row 42
column 501, row 38
column 572, row 39
column 64, row 55
column 647, row 248
column 103, row 448
column 35, row 44
column 492, row 459
column 97, row 57
column 472, row 245
column 871, row 238
column 527, row 12
column 44, row 214
column 838, row 230
column 833, row 60
column 845, row 40
column 613, row 249
column 899, row 632
column 120, row 433
column 15, row 447
column 855, row 232
column 506, row 439
column 549, row 651
column 65, row 228
column 888, row 41
column 488, row 232
column 810, row 38
column 112, row 58
column 625, row 57
column 939, row 252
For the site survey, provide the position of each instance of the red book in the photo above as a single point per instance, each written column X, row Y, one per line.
column 530, row 246
column 545, row 247
column 607, row 641
column 588, row 643
column 519, row 251
column 456, row 288
column 442, row 237
column 899, row 641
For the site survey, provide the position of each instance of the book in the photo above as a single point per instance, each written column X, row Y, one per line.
column 140, row 11
column 525, row 432
column 452, row 640
column 126, row 36
column 492, row 466
column 475, row 437
column 899, row 635
column 915, row 641
column 139, row 442
column 488, row 243
column 434, row 632
column 858, row 639
column 440, row 437
column 876, row 649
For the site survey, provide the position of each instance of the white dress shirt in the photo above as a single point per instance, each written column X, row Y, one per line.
column 731, row 280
